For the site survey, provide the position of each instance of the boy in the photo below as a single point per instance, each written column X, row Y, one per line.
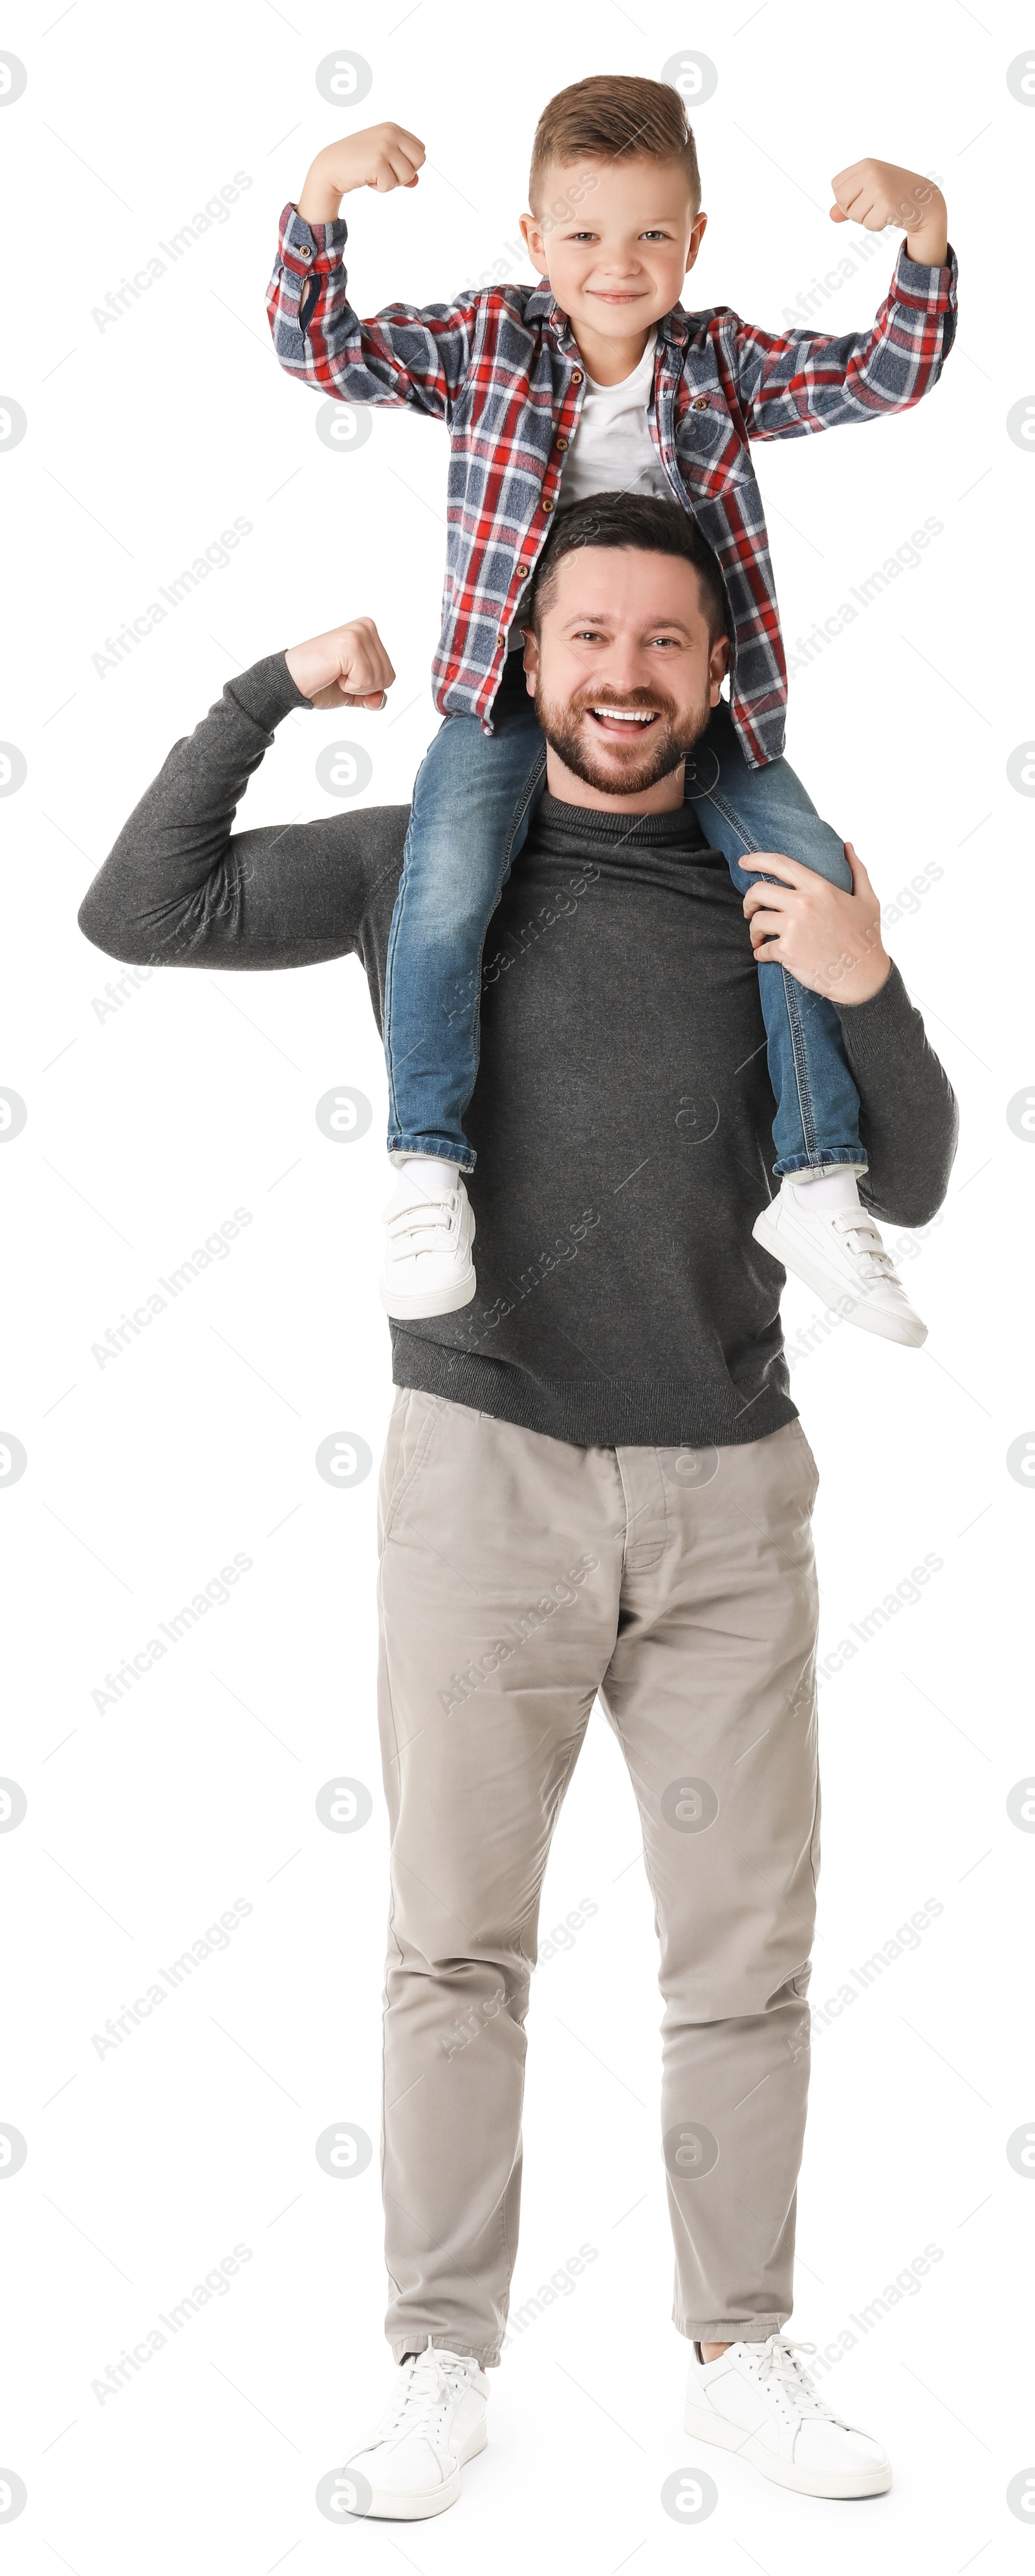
column 599, row 379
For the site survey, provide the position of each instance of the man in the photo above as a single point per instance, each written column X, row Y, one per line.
column 595, row 1482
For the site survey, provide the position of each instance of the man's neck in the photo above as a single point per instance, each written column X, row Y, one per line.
column 664, row 798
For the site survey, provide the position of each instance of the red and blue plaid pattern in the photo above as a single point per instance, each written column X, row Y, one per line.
column 501, row 367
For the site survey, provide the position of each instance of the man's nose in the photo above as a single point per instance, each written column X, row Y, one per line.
column 628, row 668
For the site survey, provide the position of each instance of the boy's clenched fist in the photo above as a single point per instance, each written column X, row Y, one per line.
column 877, row 193
column 382, row 157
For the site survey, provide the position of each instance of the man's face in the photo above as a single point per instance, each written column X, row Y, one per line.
column 615, row 240
column 623, row 671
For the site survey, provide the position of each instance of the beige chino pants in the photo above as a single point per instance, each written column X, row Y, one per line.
column 522, row 1577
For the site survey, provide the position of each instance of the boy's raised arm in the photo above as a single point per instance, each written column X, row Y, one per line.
column 407, row 354
column 799, row 381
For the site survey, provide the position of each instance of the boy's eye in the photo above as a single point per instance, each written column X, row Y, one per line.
column 655, row 235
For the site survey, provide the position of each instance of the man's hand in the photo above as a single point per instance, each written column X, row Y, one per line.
column 876, row 193
column 347, row 667
column 382, row 157
column 828, row 940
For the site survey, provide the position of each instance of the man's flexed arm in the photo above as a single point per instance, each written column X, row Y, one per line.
column 181, row 888
column 407, row 354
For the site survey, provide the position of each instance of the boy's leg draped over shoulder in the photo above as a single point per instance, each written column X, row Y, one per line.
column 743, row 811
column 472, row 801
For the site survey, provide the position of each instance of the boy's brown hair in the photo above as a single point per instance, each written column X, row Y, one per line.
column 611, row 116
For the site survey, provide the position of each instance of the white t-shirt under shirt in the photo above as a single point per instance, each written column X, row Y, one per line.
column 612, row 449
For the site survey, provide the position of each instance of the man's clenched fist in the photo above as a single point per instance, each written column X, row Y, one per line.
column 347, row 666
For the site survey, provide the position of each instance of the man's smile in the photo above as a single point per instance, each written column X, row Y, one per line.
column 618, row 719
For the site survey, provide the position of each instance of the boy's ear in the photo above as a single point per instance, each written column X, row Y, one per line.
column 532, row 236
column 696, row 238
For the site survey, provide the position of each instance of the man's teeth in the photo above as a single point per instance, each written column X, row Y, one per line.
column 624, row 715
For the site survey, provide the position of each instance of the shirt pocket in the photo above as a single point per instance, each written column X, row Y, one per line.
column 710, row 452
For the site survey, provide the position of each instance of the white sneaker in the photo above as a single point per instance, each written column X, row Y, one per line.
column 428, row 1268
column 410, row 2468
column 839, row 1252
column 758, row 2400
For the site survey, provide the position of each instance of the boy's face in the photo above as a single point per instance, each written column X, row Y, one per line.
column 616, row 240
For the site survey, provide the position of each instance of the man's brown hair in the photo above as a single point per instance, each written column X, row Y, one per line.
column 612, row 117
column 644, row 524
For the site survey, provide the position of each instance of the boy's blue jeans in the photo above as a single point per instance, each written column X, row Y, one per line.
column 472, row 803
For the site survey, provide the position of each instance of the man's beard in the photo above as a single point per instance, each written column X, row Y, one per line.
column 652, row 755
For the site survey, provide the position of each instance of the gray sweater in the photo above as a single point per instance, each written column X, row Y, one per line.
column 622, row 1114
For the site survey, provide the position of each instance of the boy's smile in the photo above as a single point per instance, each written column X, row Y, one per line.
column 615, row 240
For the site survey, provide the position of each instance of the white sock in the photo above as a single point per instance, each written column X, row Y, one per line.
column 836, row 1185
column 426, row 1167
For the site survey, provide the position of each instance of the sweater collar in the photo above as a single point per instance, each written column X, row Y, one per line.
column 586, row 824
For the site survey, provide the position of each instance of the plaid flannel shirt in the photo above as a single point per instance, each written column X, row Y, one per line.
column 501, row 367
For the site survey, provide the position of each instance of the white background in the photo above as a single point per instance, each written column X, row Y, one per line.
column 148, row 1126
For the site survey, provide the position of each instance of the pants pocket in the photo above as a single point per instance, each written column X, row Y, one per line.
column 411, row 1428
column 810, row 1462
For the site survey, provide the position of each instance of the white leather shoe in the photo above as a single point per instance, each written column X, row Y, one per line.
column 410, row 2468
column 428, row 1268
column 839, row 1252
column 757, row 2399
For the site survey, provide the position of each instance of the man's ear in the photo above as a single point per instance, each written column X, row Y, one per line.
column 531, row 659
column 696, row 238
column 532, row 236
column 718, row 661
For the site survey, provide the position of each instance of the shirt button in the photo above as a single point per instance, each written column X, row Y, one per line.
column 560, row 442
column 577, row 376
column 699, row 403
column 548, row 505
column 523, row 571
column 304, row 250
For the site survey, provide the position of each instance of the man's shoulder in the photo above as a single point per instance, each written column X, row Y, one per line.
column 370, row 831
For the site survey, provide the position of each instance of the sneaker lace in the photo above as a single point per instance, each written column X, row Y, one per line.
column 429, row 2384
column 863, row 1241
column 780, row 2361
